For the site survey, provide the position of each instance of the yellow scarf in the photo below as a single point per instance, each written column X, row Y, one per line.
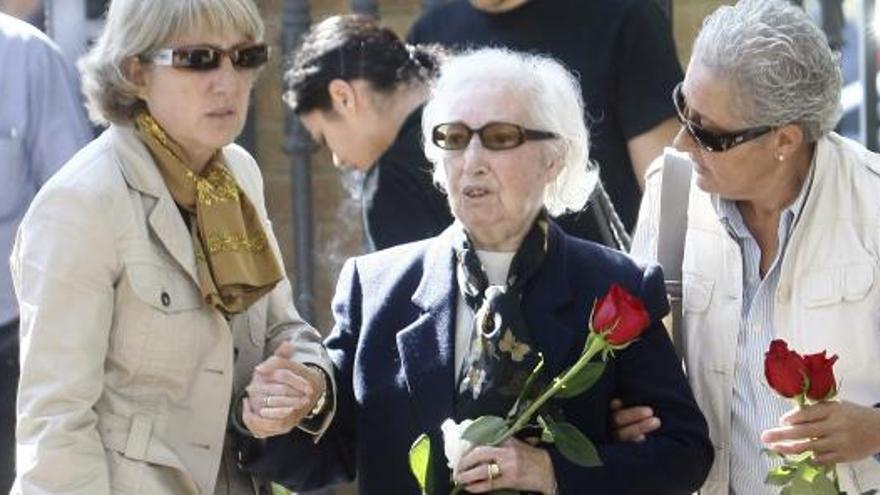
column 234, row 262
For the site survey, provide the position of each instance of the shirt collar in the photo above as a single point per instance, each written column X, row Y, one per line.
column 730, row 217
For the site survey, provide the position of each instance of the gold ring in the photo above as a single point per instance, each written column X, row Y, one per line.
column 493, row 470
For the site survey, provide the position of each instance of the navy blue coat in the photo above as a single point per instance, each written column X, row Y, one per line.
column 393, row 348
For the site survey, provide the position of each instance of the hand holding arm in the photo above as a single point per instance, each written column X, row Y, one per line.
column 631, row 424
column 282, row 393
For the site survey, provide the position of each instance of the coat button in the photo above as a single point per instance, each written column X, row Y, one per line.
column 166, row 299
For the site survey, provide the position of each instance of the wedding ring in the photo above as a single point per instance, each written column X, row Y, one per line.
column 493, row 470
column 266, row 400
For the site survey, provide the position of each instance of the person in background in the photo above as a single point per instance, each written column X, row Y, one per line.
column 21, row 9
column 624, row 55
column 149, row 280
column 421, row 328
column 42, row 124
column 360, row 90
column 782, row 242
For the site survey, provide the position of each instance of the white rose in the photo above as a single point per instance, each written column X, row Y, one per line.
column 454, row 446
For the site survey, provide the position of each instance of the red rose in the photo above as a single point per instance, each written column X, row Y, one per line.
column 621, row 314
column 785, row 370
column 820, row 371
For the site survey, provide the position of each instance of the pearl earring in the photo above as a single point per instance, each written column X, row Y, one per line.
column 780, row 157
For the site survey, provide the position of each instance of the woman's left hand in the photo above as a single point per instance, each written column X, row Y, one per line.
column 282, row 392
column 834, row 431
column 519, row 467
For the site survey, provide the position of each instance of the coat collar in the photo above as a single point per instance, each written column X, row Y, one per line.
column 427, row 346
column 546, row 296
column 165, row 219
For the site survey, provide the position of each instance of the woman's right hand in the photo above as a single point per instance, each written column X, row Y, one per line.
column 514, row 464
column 281, row 393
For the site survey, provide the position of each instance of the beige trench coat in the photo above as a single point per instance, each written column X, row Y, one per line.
column 127, row 375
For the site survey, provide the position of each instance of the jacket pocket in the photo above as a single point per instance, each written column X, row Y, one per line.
column 158, row 324
column 697, row 293
column 166, row 289
column 849, row 283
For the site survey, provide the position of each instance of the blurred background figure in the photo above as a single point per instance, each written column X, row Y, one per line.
column 624, row 55
column 359, row 90
column 26, row 10
column 42, row 124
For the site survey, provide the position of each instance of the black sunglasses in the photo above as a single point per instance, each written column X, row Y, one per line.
column 493, row 136
column 708, row 140
column 204, row 58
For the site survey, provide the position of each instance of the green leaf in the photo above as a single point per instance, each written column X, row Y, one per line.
column 279, row 490
column 822, row 485
column 420, row 460
column 810, row 480
column 574, row 445
column 780, row 476
column 583, row 380
column 485, row 430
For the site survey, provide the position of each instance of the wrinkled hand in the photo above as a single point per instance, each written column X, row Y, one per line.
column 521, row 467
column 633, row 423
column 834, row 431
column 281, row 393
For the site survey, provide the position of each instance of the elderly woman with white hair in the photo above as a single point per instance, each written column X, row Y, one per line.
column 782, row 242
column 148, row 276
column 506, row 134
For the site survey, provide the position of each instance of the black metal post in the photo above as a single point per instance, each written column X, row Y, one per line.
column 868, row 75
column 298, row 146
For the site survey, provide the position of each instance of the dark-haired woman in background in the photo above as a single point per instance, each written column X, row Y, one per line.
column 359, row 90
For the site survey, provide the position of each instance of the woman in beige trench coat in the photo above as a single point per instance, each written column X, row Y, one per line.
column 148, row 276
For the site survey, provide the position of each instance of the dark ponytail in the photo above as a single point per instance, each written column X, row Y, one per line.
column 352, row 47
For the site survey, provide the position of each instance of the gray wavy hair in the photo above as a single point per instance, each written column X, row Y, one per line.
column 138, row 27
column 783, row 70
column 551, row 97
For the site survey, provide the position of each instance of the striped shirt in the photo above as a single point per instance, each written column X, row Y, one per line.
column 755, row 406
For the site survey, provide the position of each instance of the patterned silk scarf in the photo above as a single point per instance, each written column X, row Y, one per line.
column 234, row 262
column 501, row 354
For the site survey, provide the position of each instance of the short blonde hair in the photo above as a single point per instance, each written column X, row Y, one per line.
column 138, row 27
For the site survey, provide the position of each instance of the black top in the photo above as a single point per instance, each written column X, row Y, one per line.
column 622, row 50
column 401, row 202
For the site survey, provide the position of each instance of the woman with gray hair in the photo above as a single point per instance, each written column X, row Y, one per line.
column 451, row 326
column 782, row 242
column 148, row 276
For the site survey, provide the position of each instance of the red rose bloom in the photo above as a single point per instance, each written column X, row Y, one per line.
column 621, row 314
column 820, row 371
column 785, row 370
